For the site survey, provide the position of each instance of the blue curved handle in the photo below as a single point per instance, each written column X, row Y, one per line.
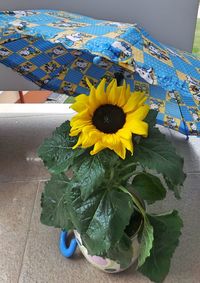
column 67, row 251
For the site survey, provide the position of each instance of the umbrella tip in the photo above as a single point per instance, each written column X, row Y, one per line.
column 96, row 60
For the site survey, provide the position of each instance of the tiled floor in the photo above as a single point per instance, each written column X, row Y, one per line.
column 29, row 251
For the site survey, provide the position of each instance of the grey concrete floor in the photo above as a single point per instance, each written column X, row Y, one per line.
column 29, row 251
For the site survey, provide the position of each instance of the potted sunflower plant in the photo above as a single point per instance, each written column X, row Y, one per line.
column 109, row 164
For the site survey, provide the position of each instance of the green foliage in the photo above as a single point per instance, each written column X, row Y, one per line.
column 100, row 219
column 102, row 195
column 122, row 251
column 57, row 153
column 89, row 174
column 146, row 241
column 54, row 209
column 148, row 187
column 156, row 153
column 167, row 230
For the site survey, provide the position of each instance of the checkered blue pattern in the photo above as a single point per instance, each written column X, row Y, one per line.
column 56, row 50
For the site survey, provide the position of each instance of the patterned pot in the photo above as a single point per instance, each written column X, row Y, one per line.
column 106, row 264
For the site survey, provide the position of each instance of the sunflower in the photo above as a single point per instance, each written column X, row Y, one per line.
column 108, row 117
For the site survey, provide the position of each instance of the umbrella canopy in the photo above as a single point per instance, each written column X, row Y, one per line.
column 58, row 50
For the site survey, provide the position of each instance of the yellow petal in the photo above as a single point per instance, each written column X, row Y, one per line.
column 78, row 106
column 93, row 100
column 113, row 94
column 128, row 144
column 122, row 95
column 133, row 101
column 125, row 133
column 97, row 147
column 120, row 150
column 89, row 83
column 138, row 127
column 100, row 92
column 110, row 86
column 139, row 114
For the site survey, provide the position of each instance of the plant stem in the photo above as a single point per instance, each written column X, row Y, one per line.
column 130, row 175
column 134, row 199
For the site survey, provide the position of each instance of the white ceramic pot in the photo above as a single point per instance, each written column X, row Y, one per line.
column 106, row 264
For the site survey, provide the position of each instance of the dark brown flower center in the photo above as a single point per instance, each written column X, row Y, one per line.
column 109, row 118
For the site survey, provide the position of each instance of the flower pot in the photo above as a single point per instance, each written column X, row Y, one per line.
column 106, row 264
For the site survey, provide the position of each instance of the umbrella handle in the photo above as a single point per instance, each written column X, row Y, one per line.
column 67, row 251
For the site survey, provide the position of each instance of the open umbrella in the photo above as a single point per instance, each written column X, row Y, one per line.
column 58, row 50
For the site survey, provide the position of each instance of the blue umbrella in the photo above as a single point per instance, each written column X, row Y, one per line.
column 58, row 50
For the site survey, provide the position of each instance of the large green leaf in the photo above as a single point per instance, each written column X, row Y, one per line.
column 167, row 230
column 121, row 252
column 149, row 187
column 146, row 241
column 54, row 209
column 89, row 174
column 151, row 118
column 56, row 151
column 101, row 219
column 155, row 152
column 147, row 232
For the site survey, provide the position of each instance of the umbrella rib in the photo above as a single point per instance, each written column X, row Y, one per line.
column 183, row 119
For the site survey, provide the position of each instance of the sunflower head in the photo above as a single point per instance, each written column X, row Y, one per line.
column 108, row 117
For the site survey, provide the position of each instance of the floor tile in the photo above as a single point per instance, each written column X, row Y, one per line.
column 19, row 141
column 16, row 205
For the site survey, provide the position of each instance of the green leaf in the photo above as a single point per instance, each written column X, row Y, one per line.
column 101, row 219
column 167, row 230
column 54, row 209
column 90, row 174
column 175, row 188
column 56, row 151
column 147, row 232
column 121, row 252
column 151, row 118
column 156, row 153
column 149, row 187
column 146, row 242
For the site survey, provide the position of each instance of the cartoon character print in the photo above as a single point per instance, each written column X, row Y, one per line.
column 61, row 75
column 23, row 13
column 173, row 96
column 19, row 25
column 147, row 74
column 29, row 51
column 84, row 84
column 193, row 128
column 141, row 87
column 176, row 54
column 65, row 24
column 4, row 52
column 25, row 68
column 81, row 65
column 156, row 104
column 155, row 51
column 171, row 123
column 68, row 87
column 76, row 53
column 73, row 38
column 128, row 75
column 50, row 67
column 56, row 51
column 194, row 88
column 104, row 63
column 195, row 114
column 121, row 49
